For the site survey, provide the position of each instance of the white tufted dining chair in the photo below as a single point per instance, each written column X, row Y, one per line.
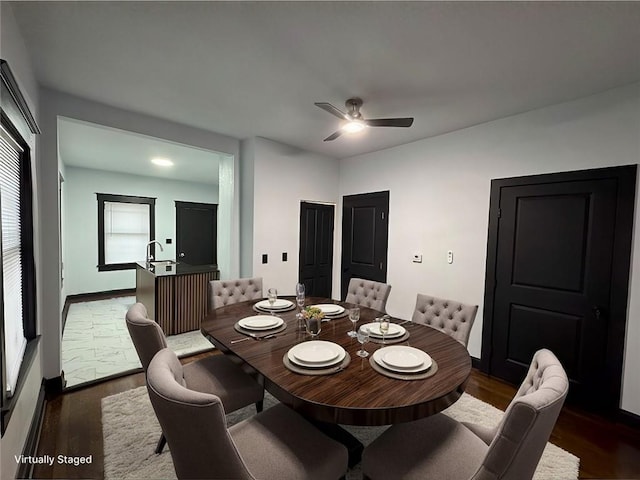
column 213, row 373
column 275, row 444
column 440, row 447
column 449, row 316
column 368, row 293
column 227, row 292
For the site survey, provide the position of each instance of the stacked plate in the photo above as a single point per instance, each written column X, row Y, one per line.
column 402, row 359
column 330, row 310
column 395, row 330
column 280, row 305
column 260, row 322
column 316, row 354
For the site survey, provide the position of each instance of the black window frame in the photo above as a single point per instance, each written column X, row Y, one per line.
column 109, row 197
column 18, row 121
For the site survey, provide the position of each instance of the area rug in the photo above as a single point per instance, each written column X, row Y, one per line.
column 131, row 431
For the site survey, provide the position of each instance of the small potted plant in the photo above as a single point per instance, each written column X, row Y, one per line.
column 313, row 320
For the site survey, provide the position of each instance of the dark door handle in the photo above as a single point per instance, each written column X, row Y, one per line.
column 598, row 312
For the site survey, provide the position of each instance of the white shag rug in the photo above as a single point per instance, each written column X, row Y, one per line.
column 131, row 432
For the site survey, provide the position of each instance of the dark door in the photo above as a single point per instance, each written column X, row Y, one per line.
column 561, row 261
column 196, row 233
column 365, row 229
column 316, row 248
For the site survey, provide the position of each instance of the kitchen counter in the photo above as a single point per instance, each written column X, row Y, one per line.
column 166, row 268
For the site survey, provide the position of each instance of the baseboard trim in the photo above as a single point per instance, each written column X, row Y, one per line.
column 55, row 385
column 475, row 363
column 25, row 470
column 628, row 418
column 92, row 297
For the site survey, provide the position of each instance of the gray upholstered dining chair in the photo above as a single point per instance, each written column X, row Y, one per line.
column 226, row 292
column 277, row 443
column 214, row 373
column 368, row 293
column 450, row 316
column 440, row 447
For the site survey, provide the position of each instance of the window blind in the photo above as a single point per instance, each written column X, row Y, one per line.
column 15, row 341
column 126, row 231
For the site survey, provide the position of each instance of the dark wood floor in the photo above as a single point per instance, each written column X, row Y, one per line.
column 72, row 426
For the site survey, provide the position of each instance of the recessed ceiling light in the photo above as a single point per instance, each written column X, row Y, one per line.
column 163, row 162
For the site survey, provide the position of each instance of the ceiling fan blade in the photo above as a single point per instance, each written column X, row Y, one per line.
column 327, row 107
column 389, row 122
column 333, row 136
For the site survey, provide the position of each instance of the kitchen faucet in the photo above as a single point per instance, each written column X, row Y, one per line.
column 149, row 256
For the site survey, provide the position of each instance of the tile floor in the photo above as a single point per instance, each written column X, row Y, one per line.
column 96, row 342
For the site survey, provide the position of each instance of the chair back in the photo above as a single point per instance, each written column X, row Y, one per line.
column 449, row 316
column 526, row 426
column 368, row 293
column 193, row 423
column 147, row 336
column 227, row 292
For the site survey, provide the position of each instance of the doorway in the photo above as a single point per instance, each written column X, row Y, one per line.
column 365, row 232
column 196, row 233
column 316, row 248
column 557, row 276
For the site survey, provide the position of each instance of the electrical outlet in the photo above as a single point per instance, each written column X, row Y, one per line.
column 450, row 257
column 417, row 258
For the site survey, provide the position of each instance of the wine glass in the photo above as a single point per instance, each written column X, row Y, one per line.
column 363, row 337
column 272, row 296
column 384, row 326
column 354, row 316
column 300, row 301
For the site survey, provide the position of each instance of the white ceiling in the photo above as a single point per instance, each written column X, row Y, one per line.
column 87, row 145
column 255, row 68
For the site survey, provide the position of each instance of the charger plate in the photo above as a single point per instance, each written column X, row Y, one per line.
column 317, row 371
column 404, row 376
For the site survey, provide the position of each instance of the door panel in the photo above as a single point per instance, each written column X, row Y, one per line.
column 555, row 245
column 316, row 248
column 196, row 233
column 364, row 237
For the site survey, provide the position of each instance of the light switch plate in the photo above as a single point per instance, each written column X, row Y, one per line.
column 417, row 258
column 450, row 256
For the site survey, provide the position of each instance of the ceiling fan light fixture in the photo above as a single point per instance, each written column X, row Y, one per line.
column 354, row 126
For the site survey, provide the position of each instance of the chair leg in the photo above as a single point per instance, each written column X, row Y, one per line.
column 259, row 406
column 161, row 443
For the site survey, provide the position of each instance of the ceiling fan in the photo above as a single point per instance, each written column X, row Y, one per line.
column 355, row 121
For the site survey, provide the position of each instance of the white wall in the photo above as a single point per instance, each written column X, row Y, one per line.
column 14, row 51
column 285, row 176
column 54, row 104
column 439, row 198
column 81, row 226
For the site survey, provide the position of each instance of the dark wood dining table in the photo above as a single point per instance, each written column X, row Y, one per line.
column 357, row 395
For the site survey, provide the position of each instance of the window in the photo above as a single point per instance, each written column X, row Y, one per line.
column 18, row 337
column 125, row 226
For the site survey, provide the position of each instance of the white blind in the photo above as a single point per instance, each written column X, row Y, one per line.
column 15, row 342
column 126, row 231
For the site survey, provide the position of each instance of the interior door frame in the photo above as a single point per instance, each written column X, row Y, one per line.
column 620, row 271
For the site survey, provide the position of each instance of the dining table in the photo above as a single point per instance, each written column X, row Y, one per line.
column 356, row 393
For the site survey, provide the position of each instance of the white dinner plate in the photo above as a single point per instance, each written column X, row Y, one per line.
column 260, row 322
column 395, row 330
column 330, row 309
column 279, row 304
column 400, row 358
column 316, row 353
